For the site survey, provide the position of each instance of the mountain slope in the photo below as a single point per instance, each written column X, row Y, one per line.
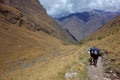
column 74, row 21
column 38, row 18
column 26, row 34
column 86, row 22
column 28, row 52
column 16, row 41
column 107, row 39
column 112, row 27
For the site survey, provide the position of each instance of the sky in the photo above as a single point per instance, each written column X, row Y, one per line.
column 59, row 8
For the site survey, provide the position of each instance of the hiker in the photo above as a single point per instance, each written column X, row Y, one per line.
column 94, row 54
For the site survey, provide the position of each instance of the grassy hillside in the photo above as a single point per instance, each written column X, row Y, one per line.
column 31, row 45
column 39, row 20
column 107, row 38
column 28, row 52
column 52, row 67
column 17, row 42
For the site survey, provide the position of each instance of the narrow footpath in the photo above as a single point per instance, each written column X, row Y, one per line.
column 96, row 73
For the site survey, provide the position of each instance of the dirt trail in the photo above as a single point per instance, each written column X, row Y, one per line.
column 96, row 73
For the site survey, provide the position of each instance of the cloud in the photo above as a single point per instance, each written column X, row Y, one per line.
column 58, row 8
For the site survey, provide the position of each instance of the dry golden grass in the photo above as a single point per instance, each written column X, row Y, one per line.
column 54, row 68
column 35, row 55
column 108, row 38
column 18, row 43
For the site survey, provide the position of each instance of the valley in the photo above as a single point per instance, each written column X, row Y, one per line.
column 34, row 47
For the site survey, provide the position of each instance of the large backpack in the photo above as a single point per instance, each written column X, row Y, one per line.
column 96, row 51
column 91, row 51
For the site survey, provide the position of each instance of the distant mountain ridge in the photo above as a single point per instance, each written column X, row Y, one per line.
column 85, row 23
column 85, row 16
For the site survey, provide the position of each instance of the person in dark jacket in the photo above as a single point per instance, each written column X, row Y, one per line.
column 94, row 53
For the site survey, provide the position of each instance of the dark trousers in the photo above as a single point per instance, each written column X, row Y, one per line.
column 94, row 58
